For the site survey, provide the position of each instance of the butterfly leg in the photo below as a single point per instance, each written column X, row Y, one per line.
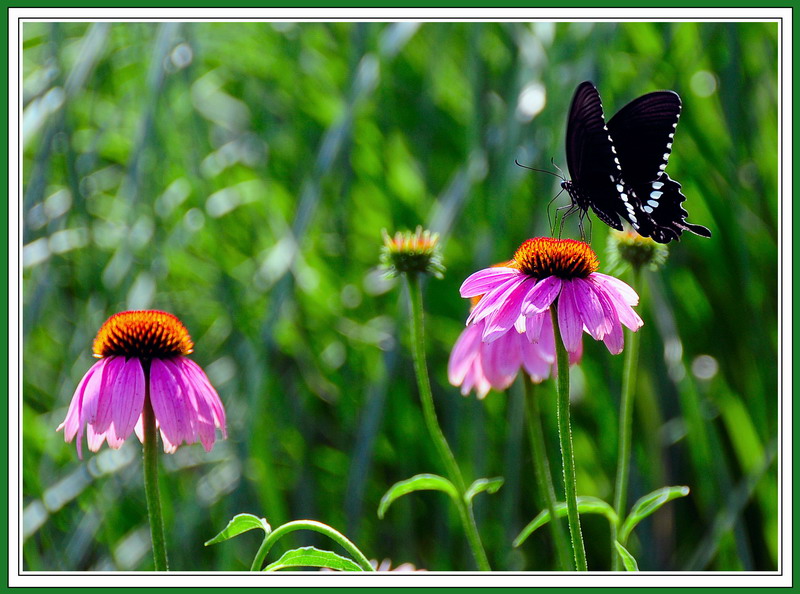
column 571, row 208
column 549, row 222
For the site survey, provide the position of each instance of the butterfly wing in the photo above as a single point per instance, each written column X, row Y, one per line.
column 643, row 132
column 593, row 164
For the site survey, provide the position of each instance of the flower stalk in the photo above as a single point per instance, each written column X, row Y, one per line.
column 544, row 479
column 567, row 454
column 150, row 463
column 625, row 429
column 432, row 423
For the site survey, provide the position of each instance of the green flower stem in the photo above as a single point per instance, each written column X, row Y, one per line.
column 625, row 418
column 567, row 454
column 150, row 463
column 334, row 535
column 429, row 412
column 544, row 479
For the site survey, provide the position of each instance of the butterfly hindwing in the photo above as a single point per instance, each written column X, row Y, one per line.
column 643, row 132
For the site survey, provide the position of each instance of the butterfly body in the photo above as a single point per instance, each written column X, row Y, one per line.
column 618, row 169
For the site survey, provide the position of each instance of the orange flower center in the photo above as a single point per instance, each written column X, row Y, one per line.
column 541, row 257
column 149, row 334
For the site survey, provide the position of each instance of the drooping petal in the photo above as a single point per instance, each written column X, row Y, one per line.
column 127, row 399
column 534, row 324
column 166, row 400
column 73, row 423
column 201, row 411
column 532, row 360
column 103, row 416
column 464, row 352
column 569, row 320
column 614, row 339
column 590, row 309
column 621, row 303
column 94, row 440
column 508, row 313
column 542, row 295
column 91, row 396
column 204, row 389
column 483, row 281
column 501, row 360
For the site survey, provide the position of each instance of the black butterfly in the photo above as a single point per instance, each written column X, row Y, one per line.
column 618, row 169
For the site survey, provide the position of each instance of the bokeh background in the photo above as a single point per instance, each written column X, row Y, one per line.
column 239, row 175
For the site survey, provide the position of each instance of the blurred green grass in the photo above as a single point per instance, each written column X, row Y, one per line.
column 239, row 176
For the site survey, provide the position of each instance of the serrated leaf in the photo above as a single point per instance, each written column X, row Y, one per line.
column 648, row 504
column 586, row 505
column 419, row 482
column 628, row 560
column 240, row 523
column 312, row 557
column 480, row 485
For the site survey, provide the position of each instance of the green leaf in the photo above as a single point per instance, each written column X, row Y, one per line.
column 627, row 559
column 483, row 484
column 586, row 505
column 647, row 505
column 311, row 557
column 240, row 523
column 419, row 482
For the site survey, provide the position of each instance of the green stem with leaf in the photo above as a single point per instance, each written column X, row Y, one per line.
column 289, row 527
column 432, row 423
column 625, row 425
column 567, row 454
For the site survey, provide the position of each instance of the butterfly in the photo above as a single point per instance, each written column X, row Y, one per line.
column 618, row 168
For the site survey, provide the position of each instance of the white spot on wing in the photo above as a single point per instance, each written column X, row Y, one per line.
column 620, row 188
column 663, row 166
column 647, row 209
column 666, row 156
column 657, row 185
column 653, row 203
column 655, row 195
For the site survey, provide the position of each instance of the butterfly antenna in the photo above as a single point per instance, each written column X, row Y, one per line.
column 561, row 177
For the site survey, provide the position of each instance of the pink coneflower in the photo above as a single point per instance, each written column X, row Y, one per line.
column 482, row 366
column 545, row 269
column 143, row 363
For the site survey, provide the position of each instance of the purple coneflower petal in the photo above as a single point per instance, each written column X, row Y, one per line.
column 103, row 415
column 502, row 360
column 73, row 423
column 569, row 320
column 542, row 295
column 483, row 281
column 199, row 405
column 509, row 312
column 463, row 354
column 534, row 324
column 127, row 397
column 590, row 309
column 620, row 301
column 494, row 299
column 167, row 403
column 534, row 361
column 614, row 339
column 204, row 389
